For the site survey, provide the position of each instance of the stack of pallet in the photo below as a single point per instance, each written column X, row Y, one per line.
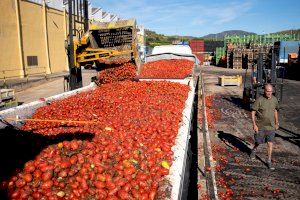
column 229, row 55
column 220, row 53
column 249, row 55
column 237, row 58
column 242, row 56
column 7, row 98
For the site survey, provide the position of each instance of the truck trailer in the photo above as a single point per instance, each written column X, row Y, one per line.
column 172, row 186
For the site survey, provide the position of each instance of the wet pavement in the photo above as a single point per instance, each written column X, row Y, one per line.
column 237, row 176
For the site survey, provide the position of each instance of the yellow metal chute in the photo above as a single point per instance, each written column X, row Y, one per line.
column 107, row 40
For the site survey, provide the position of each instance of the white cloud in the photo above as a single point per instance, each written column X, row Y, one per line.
column 230, row 12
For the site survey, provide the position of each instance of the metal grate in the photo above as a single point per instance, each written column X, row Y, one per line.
column 32, row 61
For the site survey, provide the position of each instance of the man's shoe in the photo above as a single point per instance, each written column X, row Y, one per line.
column 270, row 165
column 252, row 155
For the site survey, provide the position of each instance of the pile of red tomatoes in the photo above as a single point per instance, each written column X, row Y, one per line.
column 134, row 125
column 174, row 68
column 117, row 71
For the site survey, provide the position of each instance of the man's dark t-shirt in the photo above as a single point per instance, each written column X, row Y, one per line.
column 265, row 109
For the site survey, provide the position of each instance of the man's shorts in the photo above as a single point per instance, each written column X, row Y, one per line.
column 264, row 136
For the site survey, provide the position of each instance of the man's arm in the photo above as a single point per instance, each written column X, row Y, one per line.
column 255, row 128
column 276, row 115
column 276, row 119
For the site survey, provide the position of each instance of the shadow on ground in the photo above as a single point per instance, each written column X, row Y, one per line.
column 235, row 100
column 17, row 147
column 291, row 137
column 234, row 141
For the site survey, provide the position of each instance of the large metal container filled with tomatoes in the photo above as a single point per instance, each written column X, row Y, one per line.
column 175, row 63
column 122, row 140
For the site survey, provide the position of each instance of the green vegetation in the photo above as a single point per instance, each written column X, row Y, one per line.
column 155, row 39
column 292, row 31
column 220, row 36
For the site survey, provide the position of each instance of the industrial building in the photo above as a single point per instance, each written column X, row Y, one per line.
column 32, row 35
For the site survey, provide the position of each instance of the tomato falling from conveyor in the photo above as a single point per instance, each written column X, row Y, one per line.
column 98, row 43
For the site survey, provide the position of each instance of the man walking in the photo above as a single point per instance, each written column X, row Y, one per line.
column 265, row 121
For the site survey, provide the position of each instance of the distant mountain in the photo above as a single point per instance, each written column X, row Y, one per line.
column 230, row 33
column 291, row 31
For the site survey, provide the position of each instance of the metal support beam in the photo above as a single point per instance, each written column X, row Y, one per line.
column 273, row 68
column 86, row 15
column 75, row 73
column 259, row 74
column 260, row 68
column 66, row 37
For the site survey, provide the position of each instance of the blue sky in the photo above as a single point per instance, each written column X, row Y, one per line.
column 201, row 17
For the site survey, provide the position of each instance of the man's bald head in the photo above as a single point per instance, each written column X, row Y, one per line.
column 268, row 90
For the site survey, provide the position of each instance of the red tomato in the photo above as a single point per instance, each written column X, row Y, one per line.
column 99, row 184
column 129, row 171
column 110, row 185
column 47, row 184
column 123, row 194
column 47, row 176
column 20, row 183
column 16, row 194
column 142, row 176
column 27, row 177
column 29, row 167
column 152, row 194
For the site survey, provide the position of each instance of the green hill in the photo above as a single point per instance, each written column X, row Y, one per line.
column 154, row 39
column 291, row 31
column 221, row 35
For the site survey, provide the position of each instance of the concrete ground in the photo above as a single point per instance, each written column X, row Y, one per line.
column 49, row 88
column 237, row 176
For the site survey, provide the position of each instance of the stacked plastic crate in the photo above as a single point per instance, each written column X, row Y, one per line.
column 220, row 52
